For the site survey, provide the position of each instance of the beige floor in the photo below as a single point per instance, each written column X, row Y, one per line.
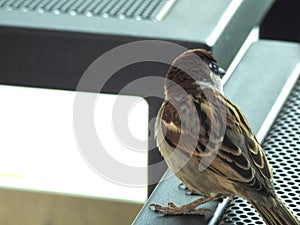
column 30, row 208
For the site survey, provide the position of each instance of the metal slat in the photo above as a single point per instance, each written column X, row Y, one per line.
column 141, row 10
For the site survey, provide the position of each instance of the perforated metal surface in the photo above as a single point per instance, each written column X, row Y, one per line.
column 282, row 147
column 123, row 9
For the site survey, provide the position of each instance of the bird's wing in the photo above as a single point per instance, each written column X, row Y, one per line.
column 217, row 138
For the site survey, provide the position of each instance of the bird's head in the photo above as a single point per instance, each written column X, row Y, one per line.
column 192, row 70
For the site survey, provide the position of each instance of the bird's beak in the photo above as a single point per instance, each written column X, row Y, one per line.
column 221, row 72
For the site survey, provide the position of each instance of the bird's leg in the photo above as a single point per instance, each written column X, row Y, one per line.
column 187, row 209
column 187, row 190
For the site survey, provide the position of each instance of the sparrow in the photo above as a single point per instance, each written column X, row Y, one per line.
column 207, row 142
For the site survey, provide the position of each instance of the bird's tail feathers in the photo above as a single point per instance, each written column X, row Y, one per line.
column 276, row 215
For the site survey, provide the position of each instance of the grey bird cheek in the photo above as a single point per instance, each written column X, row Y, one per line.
column 217, row 82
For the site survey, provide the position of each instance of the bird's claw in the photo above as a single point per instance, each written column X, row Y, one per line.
column 173, row 209
column 186, row 189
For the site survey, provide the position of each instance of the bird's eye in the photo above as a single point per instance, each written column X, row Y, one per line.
column 214, row 67
column 217, row 70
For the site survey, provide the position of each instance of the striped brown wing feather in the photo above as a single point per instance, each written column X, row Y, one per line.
column 240, row 158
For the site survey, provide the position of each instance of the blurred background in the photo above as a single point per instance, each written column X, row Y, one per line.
column 45, row 48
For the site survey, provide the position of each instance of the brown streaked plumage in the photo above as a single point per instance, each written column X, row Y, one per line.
column 208, row 143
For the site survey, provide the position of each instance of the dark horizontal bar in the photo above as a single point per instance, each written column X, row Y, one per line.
column 221, row 26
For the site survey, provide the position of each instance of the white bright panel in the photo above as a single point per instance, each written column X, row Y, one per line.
column 38, row 150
